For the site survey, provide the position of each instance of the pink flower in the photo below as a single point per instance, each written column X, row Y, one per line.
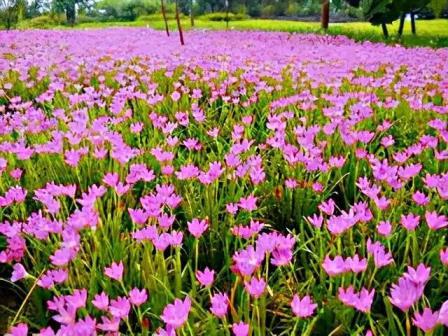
column 248, row 260
column 327, row 207
column 111, row 179
column 197, row 227
column 175, row 96
column 205, row 277
column 291, row 183
column 18, row 273
column 240, row 329
column 19, row 330
column 435, row 221
column 387, row 141
column 443, row 314
column 404, row 294
column 166, row 221
column 317, row 187
column 410, row 221
column 187, row 172
column 175, row 238
column 213, row 132
column 220, row 303
column 316, row 220
column 362, row 301
column 334, row 267
column 120, row 307
column 381, row 258
column 136, row 127
column 232, row 208
column 167, row 170
column 355, row 264
column 420, row 275
column 304, row 307
column 420, row 198
column 62, row 256
column 281, row 256
column 339, row 224
column 176, row 314
column 114, row 271
column 248, row 203
column 138, row 297
column 444, row 256
column 255, row 287
column 16, row 173
column 426, row 321
column 52, row 278
column 138, row 216
column 365, row 300
column 78, row 299
column 384, row 228
column 122, row 188
column 101, row 301
column 109, row 324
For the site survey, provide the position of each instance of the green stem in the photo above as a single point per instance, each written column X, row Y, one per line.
column 22, row 306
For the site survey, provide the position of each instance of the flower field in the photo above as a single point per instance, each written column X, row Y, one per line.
column 247, row 183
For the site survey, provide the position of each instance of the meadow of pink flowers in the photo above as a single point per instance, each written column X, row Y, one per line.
column 245, row 184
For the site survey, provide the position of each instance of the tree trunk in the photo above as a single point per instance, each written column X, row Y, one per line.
column 385, row 31
column 401, row 26
column 179, row 27
column 227, row 14
column 414, row 30
column 70, row 13
column 164, row 18
column 191, row 13
column 325, row 15
column 8, row 20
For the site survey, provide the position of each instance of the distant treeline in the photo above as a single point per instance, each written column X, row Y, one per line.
column 72, row 11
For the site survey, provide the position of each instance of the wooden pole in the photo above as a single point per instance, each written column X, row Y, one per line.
column 325, row 15
column 227, row 14
column 191, row 13
column 385, row 31
column 401, row 26
column 164, row 18
column 179, row 26
column 414, row 29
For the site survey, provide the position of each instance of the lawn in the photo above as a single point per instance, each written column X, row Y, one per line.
column 433, row 33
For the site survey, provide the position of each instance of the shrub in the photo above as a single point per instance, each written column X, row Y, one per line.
column 222, row 16
column 293, row 9
column 159, row 17
column 85, row 19
column 267, row 11
column 43, row 21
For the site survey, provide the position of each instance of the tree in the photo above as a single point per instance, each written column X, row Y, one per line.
column 69, row 7
column 11, row 11
column 35, row 8
column 438, row 6
column 377, row 12
column 127, row 10
column 383, row 12
column 409, row 7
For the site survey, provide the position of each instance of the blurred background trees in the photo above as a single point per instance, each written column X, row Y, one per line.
column 378, row 12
